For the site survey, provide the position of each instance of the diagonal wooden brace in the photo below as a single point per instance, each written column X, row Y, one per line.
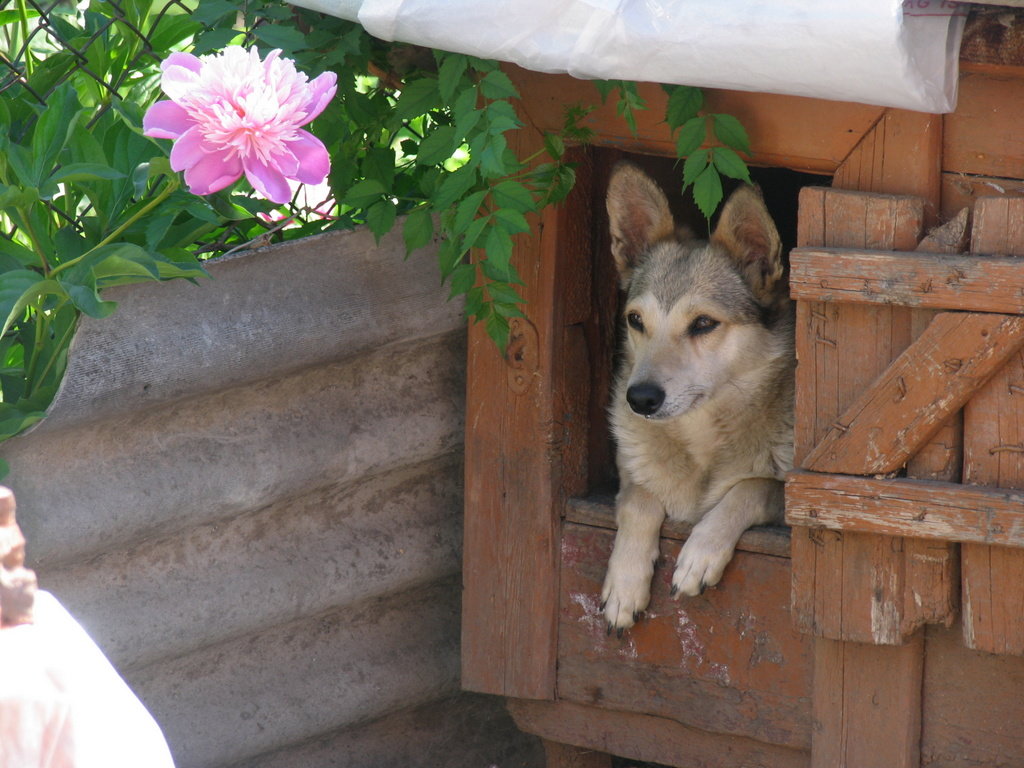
column 921, row 389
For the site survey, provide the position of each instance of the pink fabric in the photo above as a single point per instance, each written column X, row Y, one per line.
column 62, row 704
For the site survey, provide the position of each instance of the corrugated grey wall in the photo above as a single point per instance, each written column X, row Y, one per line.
column 249, row 492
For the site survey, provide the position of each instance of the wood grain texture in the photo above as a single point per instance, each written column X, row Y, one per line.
column 525, row 451
column 867, row 701
column 931, row 380
column 972, row 705
column 993, row 603
column 728, row 661
column 900, row 155
column 904, row 507
column 979, row 283
column 649, row 739
column 599, row 511
column 981, row 137
column 786, row 131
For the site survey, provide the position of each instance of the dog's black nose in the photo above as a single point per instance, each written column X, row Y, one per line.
column 645, row 399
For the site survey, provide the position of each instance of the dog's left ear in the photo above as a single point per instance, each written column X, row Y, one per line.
column 746, row 230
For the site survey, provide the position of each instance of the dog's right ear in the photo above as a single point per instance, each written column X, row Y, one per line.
column 639, row 216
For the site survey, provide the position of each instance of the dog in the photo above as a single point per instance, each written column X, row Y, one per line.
column 702, row 407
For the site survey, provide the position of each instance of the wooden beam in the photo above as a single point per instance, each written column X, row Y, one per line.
column 600, row 512
column 526, row 452
column 901, row 507
column 993, row 602
column 648, row 739
column 924, row 386
column 921, row 280
column 804, row 134
column 867, row 705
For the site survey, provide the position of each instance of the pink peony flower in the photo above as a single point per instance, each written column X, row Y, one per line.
column 231, row 113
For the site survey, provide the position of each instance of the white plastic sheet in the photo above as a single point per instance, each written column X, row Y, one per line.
column 62, row 704
column 898, row 53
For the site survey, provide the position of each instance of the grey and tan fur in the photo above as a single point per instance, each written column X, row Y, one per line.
column 703, row 405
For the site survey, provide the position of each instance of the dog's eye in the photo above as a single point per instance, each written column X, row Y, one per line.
column 635, row 321
column 703, row 324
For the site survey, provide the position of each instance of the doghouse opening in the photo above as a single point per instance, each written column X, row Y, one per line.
column 781, row 189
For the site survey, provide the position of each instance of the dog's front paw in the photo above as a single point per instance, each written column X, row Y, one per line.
column 626, row 592
column 700, row 564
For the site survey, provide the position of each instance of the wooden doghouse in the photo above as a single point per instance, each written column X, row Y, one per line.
column 886, row 628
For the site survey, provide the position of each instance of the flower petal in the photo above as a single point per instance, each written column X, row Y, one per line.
column 179, row 80
column 314, row 162
column 267, row 180
column 212, row 173
column 186, row 60
column 188, row 150
column 165, row 120
column 322, row 90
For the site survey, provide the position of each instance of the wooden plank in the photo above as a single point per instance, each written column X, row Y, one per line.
column 648, row 739
column 998, row 226
column 728, row 661
column 973, row 709
column 960, row 190
column 982, row 137
column 993, row 603
column 804, row 134
column 933, row 281
column 867, row 705
column 558, row 755
column 525, row 425
column 924, row 386
column 831, row 598
column 903, row 507
column 873, row 166
column 599, row 511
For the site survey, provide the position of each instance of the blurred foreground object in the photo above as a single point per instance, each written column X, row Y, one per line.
column 62, row 704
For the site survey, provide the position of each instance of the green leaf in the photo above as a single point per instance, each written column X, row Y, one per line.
column 449, row 73
column 20, row 288
column 453, row 187
column 554, row 146
column 418, row 229
column 287, row 38
column 498, row 247
column 694, row 166
column 417, row 98
column 691, row 136
column 501, row 117
column 463, row 278
column 684, row 102
column 50, row 135
column 731, row 132
column 465, row 112
column 497, row 85
column 512, row 194
column 466, row 211
column 504, row 293
column 498, row 330
column 380, row 218
column 492, row 158
column 120, row 263
column 707, row 191
column 511, row 220
column 437, row 146
column 85, row 295
column 84, row 172
column 473, row 233
column 731, row 164
column 363, row 193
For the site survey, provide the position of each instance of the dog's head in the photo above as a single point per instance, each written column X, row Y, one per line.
column 698, row 313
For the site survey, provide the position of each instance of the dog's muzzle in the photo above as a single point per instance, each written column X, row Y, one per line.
column 645, row 398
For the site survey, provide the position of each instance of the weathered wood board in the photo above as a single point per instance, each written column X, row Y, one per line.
column 727, row 662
